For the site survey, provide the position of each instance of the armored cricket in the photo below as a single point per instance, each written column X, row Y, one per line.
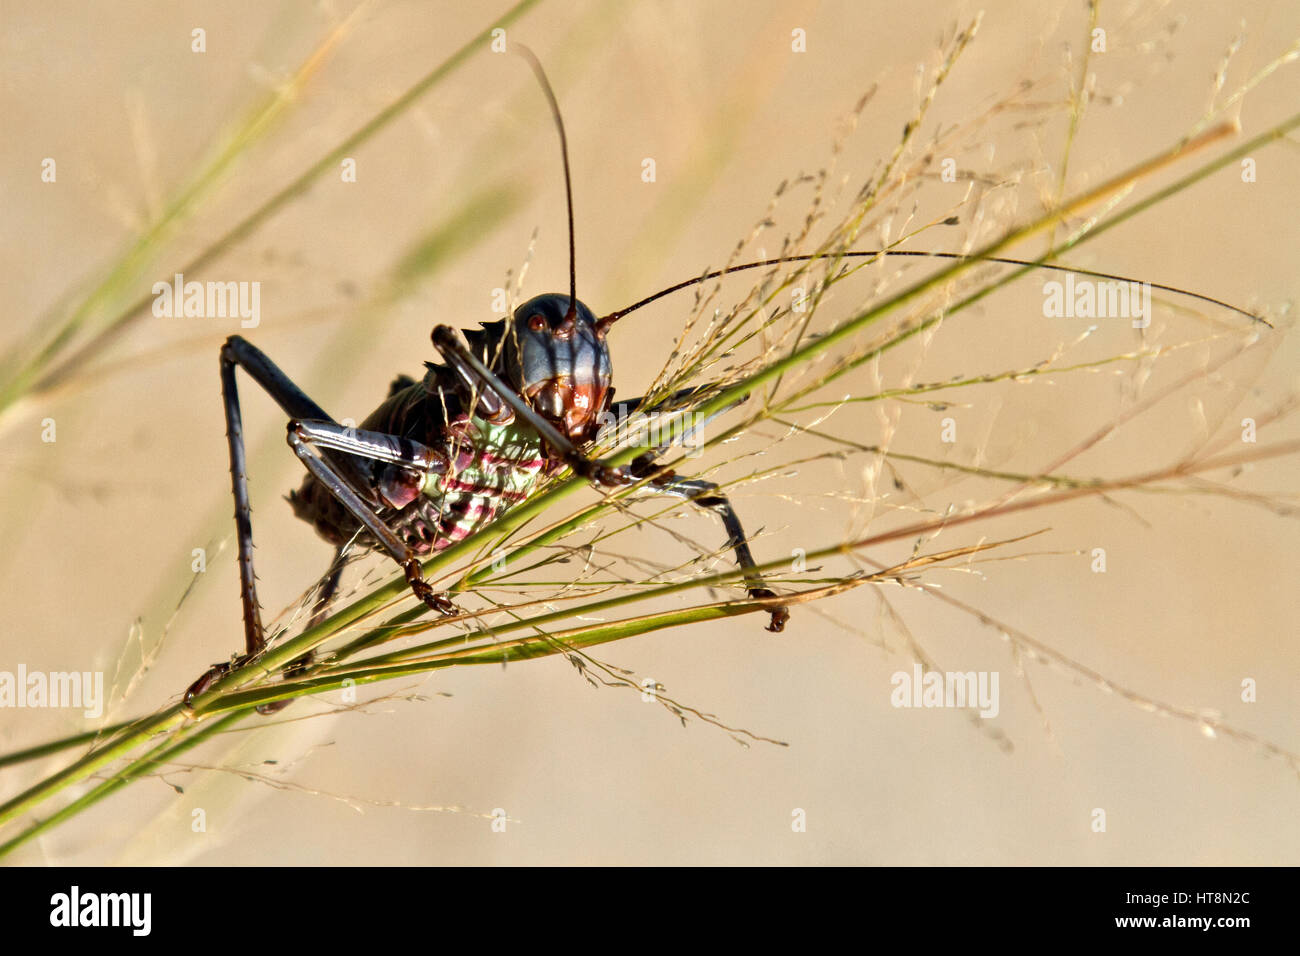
column 445, row 455
column 518, row 400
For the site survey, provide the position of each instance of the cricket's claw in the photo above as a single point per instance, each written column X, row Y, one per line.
column 424, row 591
column 438, row 602
column 611, row 477
column 779, row 614
column 213, row 674
column 218, row 671
column 594, row 470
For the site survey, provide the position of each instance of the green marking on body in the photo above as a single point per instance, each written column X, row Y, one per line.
column 501, row 445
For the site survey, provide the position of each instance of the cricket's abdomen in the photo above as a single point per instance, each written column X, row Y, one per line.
column 493, row 468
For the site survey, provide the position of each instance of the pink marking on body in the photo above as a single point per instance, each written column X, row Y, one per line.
column 454, row 484
column 531, row 464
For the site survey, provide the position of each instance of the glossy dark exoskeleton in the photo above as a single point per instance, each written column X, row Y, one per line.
column 442, row 456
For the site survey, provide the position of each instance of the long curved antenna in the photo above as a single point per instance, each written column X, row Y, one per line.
column 606, row 321
column 536, row 64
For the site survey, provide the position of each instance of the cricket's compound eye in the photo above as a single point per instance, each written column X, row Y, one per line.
column 537, row 322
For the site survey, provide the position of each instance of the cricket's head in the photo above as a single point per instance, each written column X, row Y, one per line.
column 558, row 360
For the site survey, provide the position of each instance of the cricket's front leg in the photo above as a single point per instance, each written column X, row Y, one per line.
column 236, row 352
column 339, row 473
column 595, row 470
column 484, row 384
column 705, row 494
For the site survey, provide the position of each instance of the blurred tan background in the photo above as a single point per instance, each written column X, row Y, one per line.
column 99, row 526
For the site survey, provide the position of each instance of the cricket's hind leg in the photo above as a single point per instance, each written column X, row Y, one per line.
column 236, row 352
column 340, row 473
